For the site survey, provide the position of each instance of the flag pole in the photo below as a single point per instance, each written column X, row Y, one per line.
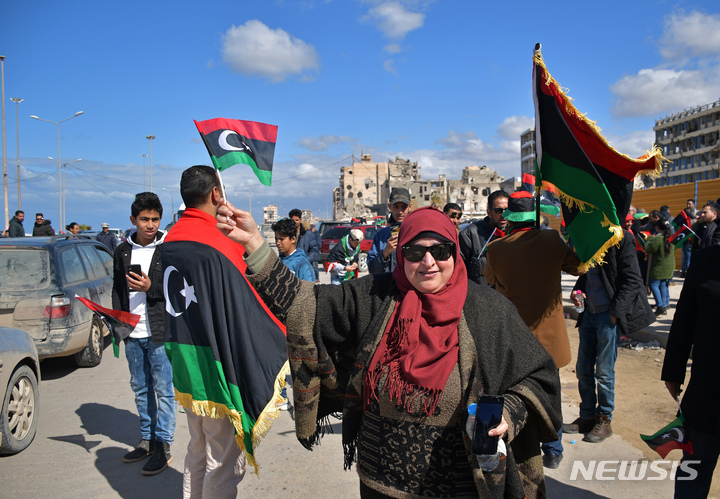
column 222, row 186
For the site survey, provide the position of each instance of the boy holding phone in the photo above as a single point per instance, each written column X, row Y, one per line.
column 138, row 288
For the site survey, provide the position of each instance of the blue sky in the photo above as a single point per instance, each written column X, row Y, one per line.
column 447, row 84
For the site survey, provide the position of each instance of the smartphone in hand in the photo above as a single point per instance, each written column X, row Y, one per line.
column 136, row 269
column 488, row 415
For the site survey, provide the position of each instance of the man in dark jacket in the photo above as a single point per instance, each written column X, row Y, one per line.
column 306, row 238
column 42, row 227
column 615, row 305
column 15, row 228
column 475, row 236
column 694, row 328
column 707, row 226
column 381, row 257
column 107, row 238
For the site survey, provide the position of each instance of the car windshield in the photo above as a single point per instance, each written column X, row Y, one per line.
column 24, row 269
column 336, row 233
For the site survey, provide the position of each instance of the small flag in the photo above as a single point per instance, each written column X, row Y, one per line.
column 594, row 181
column 673, row 436
column 238, row 142
column 548, row 202
column 682, row 224
column 120, row 323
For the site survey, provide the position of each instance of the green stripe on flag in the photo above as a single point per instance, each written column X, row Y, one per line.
column 241, row 158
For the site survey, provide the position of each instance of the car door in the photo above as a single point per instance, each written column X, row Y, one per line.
column 101, row 275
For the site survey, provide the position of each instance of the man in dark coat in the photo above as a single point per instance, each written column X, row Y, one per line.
column 476, row 235
column 695, row 327
column 42, row 227
column 615, row 305
column 306, row 239
column 15, row 228
column 107, row 238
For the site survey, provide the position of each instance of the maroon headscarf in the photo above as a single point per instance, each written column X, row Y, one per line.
column 420, row 346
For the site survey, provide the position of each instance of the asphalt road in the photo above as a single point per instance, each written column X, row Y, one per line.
column 87, row 421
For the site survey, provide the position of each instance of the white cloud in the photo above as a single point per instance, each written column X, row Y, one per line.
column 633, row 144
column 393, row 48
column 323, row 142
column 513, row 126
column 389, row 66
column 690, row 75
column 253, row 49
column 394, row 20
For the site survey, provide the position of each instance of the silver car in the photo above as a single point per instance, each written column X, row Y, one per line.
column 19, row 378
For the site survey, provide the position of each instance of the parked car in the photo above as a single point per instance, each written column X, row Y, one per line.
column 267, row 233
column 41, row 276
column 19, row 379
column 333, row 236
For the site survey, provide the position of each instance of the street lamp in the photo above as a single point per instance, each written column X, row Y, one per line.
column 60, row 205
column 5, row 191
column 64, row 169
column 144, row 183
column 17, row 101
column 150, row 138
column 172, row 200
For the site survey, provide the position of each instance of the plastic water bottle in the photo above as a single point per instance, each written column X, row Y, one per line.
column 580, row 308
column 487, row 462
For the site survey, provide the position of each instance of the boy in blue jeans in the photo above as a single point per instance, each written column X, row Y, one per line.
column 150, row 371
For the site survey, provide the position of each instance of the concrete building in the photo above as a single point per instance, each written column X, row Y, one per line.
column 690, row 140
column 527, row 152
column 270, row 214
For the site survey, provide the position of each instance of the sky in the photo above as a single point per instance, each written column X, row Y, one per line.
column 447, row 84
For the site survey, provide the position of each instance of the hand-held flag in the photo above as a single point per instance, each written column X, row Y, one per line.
column 238, row 142
column 594, row 181
column 120, row 323
column 673, row 436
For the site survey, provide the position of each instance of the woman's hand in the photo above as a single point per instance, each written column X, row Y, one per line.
column 239, row 226
column 500, row 429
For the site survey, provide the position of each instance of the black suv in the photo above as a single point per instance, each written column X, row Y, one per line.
column 40, row 278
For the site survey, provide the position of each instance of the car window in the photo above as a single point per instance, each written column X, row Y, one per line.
column 24, row 269
column 106, row 259
column 72, row 267
column 336, row 233
column 92, row 257
column 370, row 232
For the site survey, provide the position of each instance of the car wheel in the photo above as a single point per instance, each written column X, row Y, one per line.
column 18, row 421
column 362, row 262
column 91, row 355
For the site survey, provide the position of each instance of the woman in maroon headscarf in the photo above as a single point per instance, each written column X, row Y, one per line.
column 401, row 355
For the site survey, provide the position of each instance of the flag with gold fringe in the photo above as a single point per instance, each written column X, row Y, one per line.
column 594, row 181
column 227, row 350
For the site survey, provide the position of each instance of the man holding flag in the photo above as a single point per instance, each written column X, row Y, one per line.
column 228, row 352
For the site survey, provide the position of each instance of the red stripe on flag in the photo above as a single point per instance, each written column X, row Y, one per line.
column 250, row 129
column 126, row 317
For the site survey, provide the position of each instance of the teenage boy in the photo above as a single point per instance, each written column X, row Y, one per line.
column 150, row 371
column 294, row 258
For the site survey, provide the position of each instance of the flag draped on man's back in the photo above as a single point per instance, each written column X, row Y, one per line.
column 228, row 352
column 238, row 142
column 594, row 181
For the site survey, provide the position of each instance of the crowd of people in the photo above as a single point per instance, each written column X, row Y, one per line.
column 447, row 313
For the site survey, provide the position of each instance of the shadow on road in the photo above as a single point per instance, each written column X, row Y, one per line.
column 555, row 488
column 59, row 367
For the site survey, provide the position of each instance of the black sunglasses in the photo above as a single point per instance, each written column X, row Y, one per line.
column 455, row 215
column 440, row 252
column 498, row 210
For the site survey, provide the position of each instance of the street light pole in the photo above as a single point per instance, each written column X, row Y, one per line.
column 144, row 183
column 63, row 191
column 6, row 220
column 60, row 200
column 17, row 101
column 150, row 138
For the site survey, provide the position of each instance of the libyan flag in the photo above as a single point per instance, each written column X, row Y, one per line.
column 237, row 142
column 673, row 436
column 594, row 181
column 681, row 224
column 548, row 202
column 228, row 352
column 120, row 323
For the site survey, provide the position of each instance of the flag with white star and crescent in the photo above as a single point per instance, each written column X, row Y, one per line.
column 239, row 142
column 673, row 436
column 228, row 351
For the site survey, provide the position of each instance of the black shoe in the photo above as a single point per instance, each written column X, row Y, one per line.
column 580, row 425
column 159, row 460
column 145, row 449
column 660, row 311
column 551, row 460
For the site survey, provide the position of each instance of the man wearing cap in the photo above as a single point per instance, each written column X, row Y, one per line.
column 107, row 238
column 525, row 266
column 381, row 257
column 476, row 235
column 343, row 258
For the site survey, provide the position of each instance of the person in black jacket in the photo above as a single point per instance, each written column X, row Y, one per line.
column 15, row 228
column 150, row 370
column 615, row 305
column 694, row 328
column 42, row 227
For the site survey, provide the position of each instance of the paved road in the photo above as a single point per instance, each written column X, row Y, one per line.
column 88, row 421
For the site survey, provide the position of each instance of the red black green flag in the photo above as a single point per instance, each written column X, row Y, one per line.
column 594, row 181
column 548, row 202
column 673, row 436
column 681, row 224
column 238, row 142
column 227, row 350
column 120, row 323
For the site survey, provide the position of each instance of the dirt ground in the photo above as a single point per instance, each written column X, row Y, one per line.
column 642, row 403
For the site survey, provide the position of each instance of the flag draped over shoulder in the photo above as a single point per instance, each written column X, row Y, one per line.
column 594, row 181
column 238, row 142
column 228, row 352
column 673, row 436
column 120, row 323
